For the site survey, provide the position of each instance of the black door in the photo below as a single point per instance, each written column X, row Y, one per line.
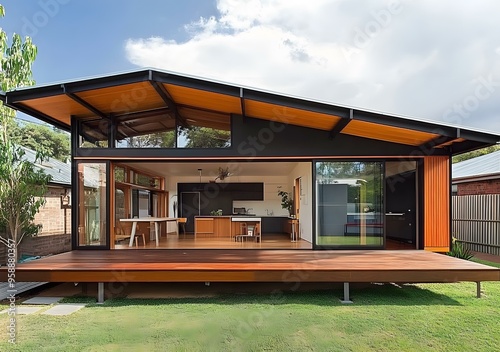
column 189, row 208
column 401, row 202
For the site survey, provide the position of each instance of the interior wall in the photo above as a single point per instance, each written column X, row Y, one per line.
column 304, row 171
column 271, row 202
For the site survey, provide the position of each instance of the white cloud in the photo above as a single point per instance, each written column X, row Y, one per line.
column 417, row 58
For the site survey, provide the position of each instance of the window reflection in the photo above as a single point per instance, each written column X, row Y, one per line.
column 349, row 204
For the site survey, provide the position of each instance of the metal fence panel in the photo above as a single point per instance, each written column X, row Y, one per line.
column 476, row 222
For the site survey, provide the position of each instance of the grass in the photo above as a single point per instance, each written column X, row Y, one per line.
column 349, row 240
column 430, row 317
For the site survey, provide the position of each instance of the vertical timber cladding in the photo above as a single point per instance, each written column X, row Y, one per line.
column 437, row 203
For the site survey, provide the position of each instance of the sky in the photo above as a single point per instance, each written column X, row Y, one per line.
column 430, row 60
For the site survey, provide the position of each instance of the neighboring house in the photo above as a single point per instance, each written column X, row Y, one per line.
column 480, row 175
column 55, row 215
column 401, row 167
column 476, row 202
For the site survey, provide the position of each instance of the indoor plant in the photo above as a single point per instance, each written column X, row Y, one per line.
column 286, row 200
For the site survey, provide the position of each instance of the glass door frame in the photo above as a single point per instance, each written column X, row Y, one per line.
column 75, row 210
column 315, row 244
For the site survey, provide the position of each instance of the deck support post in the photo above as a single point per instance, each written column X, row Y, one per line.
column 478, row 289
column 347, row 299
column 100, row 292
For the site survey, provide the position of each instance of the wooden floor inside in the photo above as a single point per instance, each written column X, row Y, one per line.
column 232, row 265
column 269, row 241
column 189, row 241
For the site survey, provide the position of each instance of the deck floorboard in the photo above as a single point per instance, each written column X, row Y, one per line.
column 198, row 265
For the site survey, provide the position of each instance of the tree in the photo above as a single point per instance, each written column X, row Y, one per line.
column 22, row 187
column 475, row 153
column 52, row 142
column 152, row 140
column 205, row 137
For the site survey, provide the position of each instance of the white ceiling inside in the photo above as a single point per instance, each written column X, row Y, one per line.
column 212, row 169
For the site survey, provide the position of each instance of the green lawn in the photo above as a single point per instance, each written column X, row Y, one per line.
column 437, row 317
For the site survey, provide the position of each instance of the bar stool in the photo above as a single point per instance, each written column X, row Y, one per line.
column 242, row 232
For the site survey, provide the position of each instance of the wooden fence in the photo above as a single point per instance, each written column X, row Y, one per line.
column 476, row 222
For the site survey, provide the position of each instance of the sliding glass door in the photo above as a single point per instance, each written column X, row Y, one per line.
column 349, row 204
column 92, row 205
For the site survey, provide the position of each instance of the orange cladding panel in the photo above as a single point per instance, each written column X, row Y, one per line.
column 436, row 202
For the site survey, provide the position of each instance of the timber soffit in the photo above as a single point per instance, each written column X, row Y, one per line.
column 438, row 135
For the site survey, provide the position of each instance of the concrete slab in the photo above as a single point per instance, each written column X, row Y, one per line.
column 24, row 310
column 64, row 309
column 43, row 300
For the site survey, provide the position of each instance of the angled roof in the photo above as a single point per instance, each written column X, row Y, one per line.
column 484, row 166
column 58, row 170
column 147, row 101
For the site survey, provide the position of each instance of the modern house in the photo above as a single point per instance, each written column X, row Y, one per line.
column 359, row 179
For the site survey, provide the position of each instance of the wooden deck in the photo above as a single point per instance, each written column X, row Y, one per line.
column 201, row 265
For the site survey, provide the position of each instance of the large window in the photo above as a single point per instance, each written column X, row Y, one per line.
column 349, row 204
column 92, row 208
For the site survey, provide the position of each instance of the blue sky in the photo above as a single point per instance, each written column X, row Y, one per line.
column 432, row 60
column 77, row 38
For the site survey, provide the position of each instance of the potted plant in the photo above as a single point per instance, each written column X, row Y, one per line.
column 286, row 200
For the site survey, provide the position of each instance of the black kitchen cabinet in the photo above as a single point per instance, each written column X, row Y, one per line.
column 273, row 224
column 227, row 192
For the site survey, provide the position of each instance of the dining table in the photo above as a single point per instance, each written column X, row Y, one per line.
column 149, row 219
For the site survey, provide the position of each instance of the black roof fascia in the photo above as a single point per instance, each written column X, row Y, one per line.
column 106, row 82
column 33, row 93
column 195, row 83
column 296, row 103
column 479, row 136
column 392, row 121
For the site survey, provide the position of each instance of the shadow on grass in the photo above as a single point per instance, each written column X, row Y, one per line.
column 373, row 295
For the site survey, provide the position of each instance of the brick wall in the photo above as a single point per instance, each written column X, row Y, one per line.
column 55, row 236
column 45, row 245
column 40, row 246
column 479, row 187
column 53, row 219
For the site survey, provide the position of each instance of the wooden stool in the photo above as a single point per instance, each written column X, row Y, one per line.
column 182, row 224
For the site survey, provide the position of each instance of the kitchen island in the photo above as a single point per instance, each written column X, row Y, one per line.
column 220, row 226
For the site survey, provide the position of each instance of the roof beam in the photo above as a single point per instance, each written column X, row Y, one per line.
column 242, row 103
column 435, row 143
column 167, row 99
column 142, row 114
column 85, row 104
column 341, row 125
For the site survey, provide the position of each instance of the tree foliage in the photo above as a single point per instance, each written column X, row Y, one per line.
column 475, row 153
column 52, row 142
column 153, row 140
column 205, row 137
column 21, row 185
